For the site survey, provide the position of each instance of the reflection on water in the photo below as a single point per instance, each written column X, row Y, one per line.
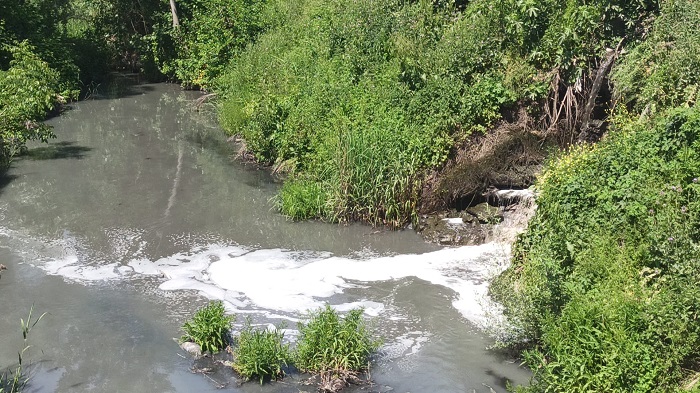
column 137, row 209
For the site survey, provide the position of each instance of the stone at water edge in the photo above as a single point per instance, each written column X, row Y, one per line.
column 486, row 214
column 191, row 348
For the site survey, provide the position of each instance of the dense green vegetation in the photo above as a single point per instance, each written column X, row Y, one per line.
column 604, row 282
column 260, row 353
column 663, row 71
column 603, row 289
column 357, row 100
column 30, row 86
column 209, row 327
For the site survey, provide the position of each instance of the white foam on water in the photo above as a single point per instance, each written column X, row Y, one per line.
column 403, row 347
column 283, row 283
column 294, row 282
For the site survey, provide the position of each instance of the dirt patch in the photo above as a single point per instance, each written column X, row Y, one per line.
column 508, row 157
column 481, row 194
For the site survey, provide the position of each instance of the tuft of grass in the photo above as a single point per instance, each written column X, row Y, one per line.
column 14, row 381
column 331, row 343
column 260, row 353
column 301, row 199
column 209, row 327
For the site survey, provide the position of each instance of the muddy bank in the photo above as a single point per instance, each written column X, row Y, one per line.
column 483, row 192
column 499, row 219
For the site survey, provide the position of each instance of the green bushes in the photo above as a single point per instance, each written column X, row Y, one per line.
column 361, row 99
column 664, row 71
column 209, row 327
column 210, row 34
column 603, row 283
column 260, row 353
column 28, row 90
column 359, row 110
column 328, row 343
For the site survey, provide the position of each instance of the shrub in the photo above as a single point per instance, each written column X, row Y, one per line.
column 209, row 327
column 329, row 342
column 260, row 353
column 604, row 282
column 664, row 70
column 210, row 34
column 28, row 90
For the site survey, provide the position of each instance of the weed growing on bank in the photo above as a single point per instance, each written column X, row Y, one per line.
column 261, row 353
column 210, row 327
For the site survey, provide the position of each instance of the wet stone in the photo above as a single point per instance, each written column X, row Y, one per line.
column 486, row 214
column 454, row 228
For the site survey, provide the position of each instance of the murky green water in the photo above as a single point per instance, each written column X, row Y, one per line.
column 136, row 214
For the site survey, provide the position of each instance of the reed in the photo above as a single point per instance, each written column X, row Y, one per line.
column 15, row 380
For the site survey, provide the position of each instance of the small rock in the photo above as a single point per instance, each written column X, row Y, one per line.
column 486, row 214
column 191, row 348
column 446, row 239
column 227, row 363
column 3, row 267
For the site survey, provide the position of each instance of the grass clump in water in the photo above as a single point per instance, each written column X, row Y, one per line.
column 335, row 347
column 14, row 381
column 209, row 327
column 260, row 353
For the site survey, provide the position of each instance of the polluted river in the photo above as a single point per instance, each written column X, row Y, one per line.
column 136, row 215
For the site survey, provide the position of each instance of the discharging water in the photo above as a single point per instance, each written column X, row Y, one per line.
column 136, row 215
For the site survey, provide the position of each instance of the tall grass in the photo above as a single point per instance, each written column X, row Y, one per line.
column 14, row 381
column 210, row 327
column 260, row 353
column 329, row 342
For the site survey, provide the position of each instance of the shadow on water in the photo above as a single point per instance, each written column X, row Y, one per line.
column 57, row 151
column 119, row 86
column 5, row 179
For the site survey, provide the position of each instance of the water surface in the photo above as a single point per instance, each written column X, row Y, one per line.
column 137, row 214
